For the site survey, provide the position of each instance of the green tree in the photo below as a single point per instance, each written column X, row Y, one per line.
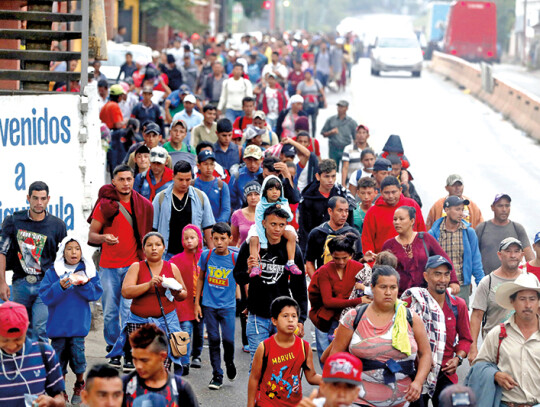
column 506, row 17
column 175, row 13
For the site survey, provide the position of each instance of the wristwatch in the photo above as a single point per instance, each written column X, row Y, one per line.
column 460, row 359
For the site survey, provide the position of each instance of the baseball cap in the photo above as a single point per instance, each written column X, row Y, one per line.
column 184, row 89
column 457, row 395
column 343, row 103
column 259, row 114
column 190, row 98
column 253, row 151
column 288, row 150
column 436, row 261
column 509, row 241
column 498, row 197
column 13, row 319
column 454, row 200
column 536, row 238
column 148, row 89
column 206, row 155
column 180, row 122
column 251, row 132
column 237, row 133
column 452, row 179
column 272, row 74
column 152, row 128
column 382, row 164
column 143, row 149
column 158, row 155
column 362, row 126
column 296, row 99
column 342, row 367
column 116, row 90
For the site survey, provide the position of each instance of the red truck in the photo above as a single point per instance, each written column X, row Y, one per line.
column 471, row 31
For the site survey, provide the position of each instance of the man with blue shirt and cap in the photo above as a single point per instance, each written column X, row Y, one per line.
column 446, row 319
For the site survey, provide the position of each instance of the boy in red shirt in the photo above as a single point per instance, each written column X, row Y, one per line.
column 533, row 266
column 279, row 361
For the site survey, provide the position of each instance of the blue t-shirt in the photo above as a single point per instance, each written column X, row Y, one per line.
column 219, row 290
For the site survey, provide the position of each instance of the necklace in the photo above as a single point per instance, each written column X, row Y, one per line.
column 174, row 206
column 408, row 250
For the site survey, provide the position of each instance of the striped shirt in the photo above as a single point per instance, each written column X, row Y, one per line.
column 20, row 373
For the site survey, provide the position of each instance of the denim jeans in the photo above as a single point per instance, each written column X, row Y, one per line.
column 187, row 326
column 322, row 339
column 198, row 338
column 28, row 295
column 70, row 350
column 272, row 123
column 258, row 329
column 322, row 77
column 214, row 319
column 232, row 115
column 115, row 307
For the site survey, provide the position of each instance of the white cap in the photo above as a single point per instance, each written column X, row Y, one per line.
column 158, row 155
column 190, row 98
column 297, row 99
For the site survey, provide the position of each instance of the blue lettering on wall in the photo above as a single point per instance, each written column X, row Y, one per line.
column 20, row 179
column 62, row 210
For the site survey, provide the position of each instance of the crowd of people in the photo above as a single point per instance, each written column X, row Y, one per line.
column 224, row 208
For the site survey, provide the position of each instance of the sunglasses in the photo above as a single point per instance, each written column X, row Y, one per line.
column 160, row 155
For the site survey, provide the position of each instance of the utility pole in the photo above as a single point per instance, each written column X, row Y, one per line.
column 272, row 16
column 524, row 55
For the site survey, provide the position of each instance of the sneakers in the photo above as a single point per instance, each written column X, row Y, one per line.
column 293, row 269
column 185, row 370
column 255, row 271
column 231, row 372
column 128, row 366
column 76, row 398
column 216, row 383
column 245, row 348
column 196, row 363
column 115, row 362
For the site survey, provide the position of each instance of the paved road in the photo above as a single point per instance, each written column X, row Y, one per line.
column 443, row 131
column 519, row 76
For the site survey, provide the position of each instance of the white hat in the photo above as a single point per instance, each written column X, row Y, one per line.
column 297, row 99
column 525, row 281
column 190, row 98
column 158, row 155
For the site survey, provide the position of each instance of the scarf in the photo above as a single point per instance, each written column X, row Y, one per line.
column 433, row 317
column 166, row 177
column 86, row 265
column 400, row 330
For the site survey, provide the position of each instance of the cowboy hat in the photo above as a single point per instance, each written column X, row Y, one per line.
column 525, row 281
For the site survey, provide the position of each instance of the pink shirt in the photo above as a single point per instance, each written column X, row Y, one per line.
column 239, row 220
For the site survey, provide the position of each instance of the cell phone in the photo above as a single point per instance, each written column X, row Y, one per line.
column 461, row 399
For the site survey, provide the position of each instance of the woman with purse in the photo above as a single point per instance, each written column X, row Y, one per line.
column 154, row 285
column 412, row 250
column 388, row 338
column 314, row 98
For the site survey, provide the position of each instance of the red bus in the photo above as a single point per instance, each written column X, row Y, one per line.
column 471, row 31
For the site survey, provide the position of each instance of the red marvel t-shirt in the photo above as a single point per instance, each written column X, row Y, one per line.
column 110, row 113
column 124, row 253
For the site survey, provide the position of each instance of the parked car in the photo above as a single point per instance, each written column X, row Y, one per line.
column 117, row 56
column 399, row 52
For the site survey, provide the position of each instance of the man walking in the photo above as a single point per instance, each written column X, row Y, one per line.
column 459, row 241
column 340, row 129
column 492, row 231
column 120, row 219
column 29, row 240
column 446, row 319
column 487, row 313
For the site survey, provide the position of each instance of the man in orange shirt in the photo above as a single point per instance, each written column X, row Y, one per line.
column 110, row 113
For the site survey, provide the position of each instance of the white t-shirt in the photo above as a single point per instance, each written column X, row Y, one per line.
column 272, row 103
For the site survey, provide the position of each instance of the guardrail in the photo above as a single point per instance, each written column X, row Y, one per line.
column 518, row 106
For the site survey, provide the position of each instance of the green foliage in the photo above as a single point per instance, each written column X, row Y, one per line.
column 175, row 13
column 506, row 18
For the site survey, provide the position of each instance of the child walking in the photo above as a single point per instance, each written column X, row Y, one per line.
column 272, row 194
column 217, row 281
column 276, row 372
column 192, row 241
column 67, row 289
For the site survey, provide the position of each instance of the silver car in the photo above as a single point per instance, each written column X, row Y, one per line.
column 396, row 53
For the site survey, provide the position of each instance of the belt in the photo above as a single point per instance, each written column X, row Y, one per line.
column 33, row 278
column 517, row 404
column 391, row 367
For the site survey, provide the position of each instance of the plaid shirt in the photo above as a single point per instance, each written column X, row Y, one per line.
column 452, row 244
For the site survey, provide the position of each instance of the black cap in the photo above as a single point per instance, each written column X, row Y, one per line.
column 206, row 155
column 142, row 150
column 436, row 261
column 170, row 59
column 382, row 164
column 288, row 150
column 152, row 128
column 454, row 200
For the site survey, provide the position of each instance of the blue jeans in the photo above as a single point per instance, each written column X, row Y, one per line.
column 257, row 330
column 322, row 339
column 232, row 115
column 214, row 319
column 115, row 307
column 322, row 77
column 187, row 326
column 198, row 338
column 70, row 350
column 272, row 123
column 28, row 295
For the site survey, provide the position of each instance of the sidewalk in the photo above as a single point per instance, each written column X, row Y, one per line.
column 519, row 76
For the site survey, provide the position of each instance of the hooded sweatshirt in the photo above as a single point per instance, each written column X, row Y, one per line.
column 187, row 264
column 263, row 205
column 379, row 223
column 69, row 309
column 394, row 146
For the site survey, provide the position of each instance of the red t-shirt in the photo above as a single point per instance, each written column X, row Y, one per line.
column 124, row 253
column 533, row 270
column 245, row 121
column 147, row 305
column 110, row 114
column 280, row 384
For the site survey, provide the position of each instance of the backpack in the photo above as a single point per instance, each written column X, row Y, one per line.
column 363, row 307
column 208, row 257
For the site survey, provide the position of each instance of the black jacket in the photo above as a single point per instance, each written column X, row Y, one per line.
column 313, row 209
column 281, row 118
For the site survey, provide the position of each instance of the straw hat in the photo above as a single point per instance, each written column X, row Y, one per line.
column 525, row 281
